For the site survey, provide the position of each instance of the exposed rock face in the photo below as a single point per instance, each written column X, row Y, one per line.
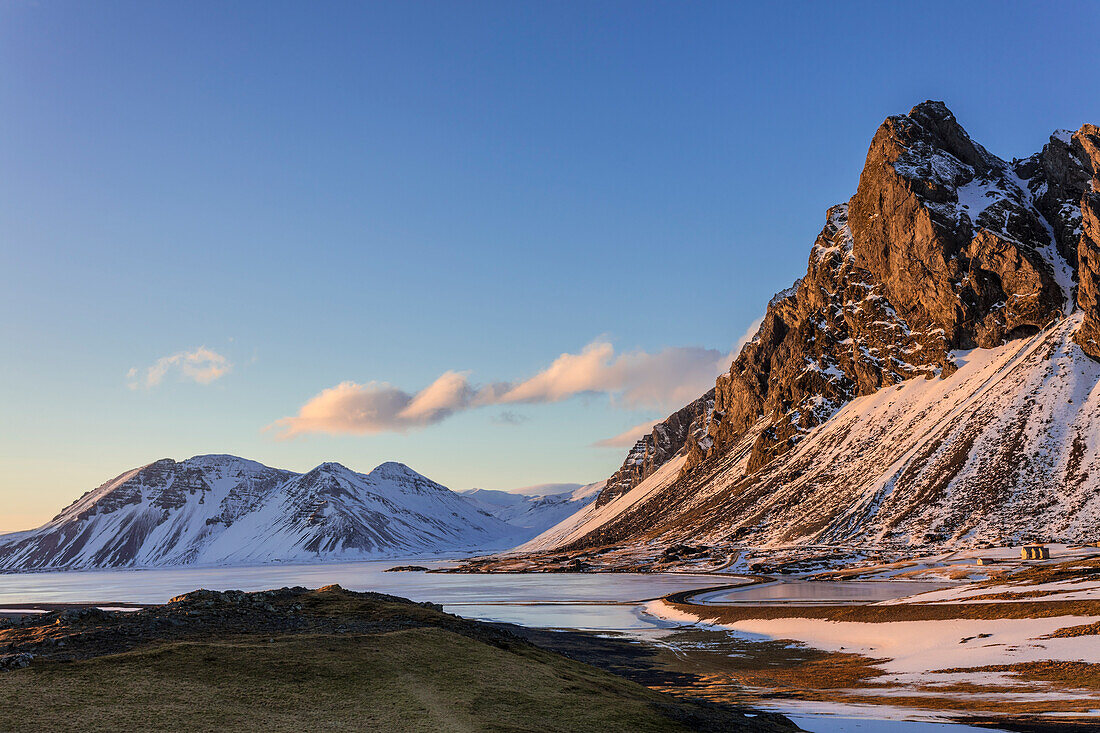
column 951, row 234
column 832, row 336
column 1000, row 452
column 1086, row 145
column 667, row 439
column 1056, row 179
column 944, row 246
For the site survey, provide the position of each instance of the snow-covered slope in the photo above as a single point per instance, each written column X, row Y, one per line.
column 534, row 512
column 1003, row 450
column 590, row 518
column 212, row 510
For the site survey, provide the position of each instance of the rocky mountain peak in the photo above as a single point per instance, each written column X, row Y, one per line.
column 1088, row 140
column 952, row 236
column 943, row 247
column 400, row 475
column 332, row 468
column 931, row 127
column 224, row 460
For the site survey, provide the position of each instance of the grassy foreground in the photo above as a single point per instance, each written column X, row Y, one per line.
column 418, row 680
column 425, row 678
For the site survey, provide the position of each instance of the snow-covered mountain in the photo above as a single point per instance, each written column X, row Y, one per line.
column 933, row 378
column 1004, row 450
column 219, row 509
column 532, row 510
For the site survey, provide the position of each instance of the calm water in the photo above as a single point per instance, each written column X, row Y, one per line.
column 544, row 600
column 600, row 602
column 832, row 724
column 795, row 592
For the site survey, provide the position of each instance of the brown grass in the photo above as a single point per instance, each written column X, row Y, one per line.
column 1067, row 675
column 418, row 680
column 1071, row 631
column 1078, row 569
column 294, row 660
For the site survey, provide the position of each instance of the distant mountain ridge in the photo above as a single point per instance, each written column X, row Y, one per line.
column 535, row 512
column 220, row 509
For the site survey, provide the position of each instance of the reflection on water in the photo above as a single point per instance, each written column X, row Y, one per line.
column 831, row 724
column 611, row 617
column 819, row 591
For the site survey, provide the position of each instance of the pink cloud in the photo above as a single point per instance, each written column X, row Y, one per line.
column 628, row 437
column 664, row 380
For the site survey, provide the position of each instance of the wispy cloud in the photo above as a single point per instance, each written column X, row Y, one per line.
column 628, row 437
column 201, row 365
column 661, row 380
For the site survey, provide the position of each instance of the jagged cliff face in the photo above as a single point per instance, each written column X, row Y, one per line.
column 683, row 430
column 943, row 247
column 1002, row 451
column 1086, row 148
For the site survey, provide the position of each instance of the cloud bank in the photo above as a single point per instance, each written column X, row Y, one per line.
column 202, row 366
column 663, row 380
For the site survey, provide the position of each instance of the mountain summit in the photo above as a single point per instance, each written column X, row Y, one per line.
column 930, row 379
column 218, row 509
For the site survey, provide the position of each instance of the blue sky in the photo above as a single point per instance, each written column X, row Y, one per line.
column 331, row 193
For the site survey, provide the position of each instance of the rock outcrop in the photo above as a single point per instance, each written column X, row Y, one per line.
column 1086, row 146
column 943, row 247
column 683, row 430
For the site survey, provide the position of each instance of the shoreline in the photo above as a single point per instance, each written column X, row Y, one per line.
column 645, row 664
column 972, row 694
column 693, row 678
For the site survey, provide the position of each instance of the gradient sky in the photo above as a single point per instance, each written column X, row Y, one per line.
column 321, row 193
